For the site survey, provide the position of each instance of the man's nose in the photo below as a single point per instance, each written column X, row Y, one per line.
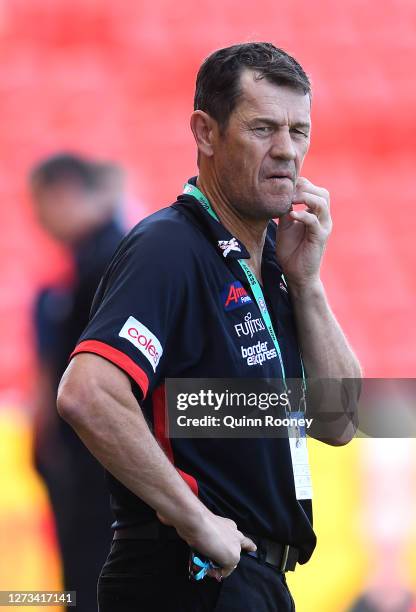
column 282, row 145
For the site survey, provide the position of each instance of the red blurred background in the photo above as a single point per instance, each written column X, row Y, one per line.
column 115, row 80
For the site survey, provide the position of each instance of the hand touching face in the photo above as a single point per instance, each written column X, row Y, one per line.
column 302, row 234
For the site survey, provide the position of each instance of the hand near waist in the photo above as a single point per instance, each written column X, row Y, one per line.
column 216, row 538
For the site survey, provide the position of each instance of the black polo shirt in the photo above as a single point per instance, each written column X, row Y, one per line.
column 168, row 307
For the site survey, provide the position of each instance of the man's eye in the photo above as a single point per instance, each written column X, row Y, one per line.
column 299, row 132
column 263, row 130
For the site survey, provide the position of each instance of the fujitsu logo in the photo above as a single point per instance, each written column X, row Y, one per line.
column 142, row 338
column 250, row 326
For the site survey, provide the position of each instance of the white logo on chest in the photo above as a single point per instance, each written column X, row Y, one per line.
column 229, row 245
column 249, row 327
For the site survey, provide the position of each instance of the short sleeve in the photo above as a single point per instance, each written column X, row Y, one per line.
column 139, row 303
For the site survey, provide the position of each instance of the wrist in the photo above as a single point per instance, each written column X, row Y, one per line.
column 190, row 520
column 306, row 290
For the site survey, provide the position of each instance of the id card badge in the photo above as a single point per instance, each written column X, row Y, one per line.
column 300, row 461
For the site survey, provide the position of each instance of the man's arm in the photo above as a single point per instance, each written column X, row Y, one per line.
column 96, row 399
column 325, row 349
column 302, row 237
column 328, row 358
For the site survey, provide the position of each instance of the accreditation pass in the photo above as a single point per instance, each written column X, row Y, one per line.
column 300, row 460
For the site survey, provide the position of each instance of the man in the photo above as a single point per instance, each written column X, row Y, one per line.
column 76, row 201
column 168, row 307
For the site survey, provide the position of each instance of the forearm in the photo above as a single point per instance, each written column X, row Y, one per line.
column 325, row 349
column 116, row 433
column 326, row 355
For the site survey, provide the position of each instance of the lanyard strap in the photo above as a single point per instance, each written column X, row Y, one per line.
column 254, row 284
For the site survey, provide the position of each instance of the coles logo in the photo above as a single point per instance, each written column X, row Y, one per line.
column 143, row 339
column 234, row 296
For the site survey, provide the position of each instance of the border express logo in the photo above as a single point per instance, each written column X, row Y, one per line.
column 258, row 353
column 234, row 296
column 142, row 338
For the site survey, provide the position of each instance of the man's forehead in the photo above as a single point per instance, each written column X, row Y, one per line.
column 261, row 97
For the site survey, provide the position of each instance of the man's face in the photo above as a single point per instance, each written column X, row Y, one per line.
column 258, row 158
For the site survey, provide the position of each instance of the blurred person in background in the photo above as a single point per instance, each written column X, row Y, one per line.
column 77, row 202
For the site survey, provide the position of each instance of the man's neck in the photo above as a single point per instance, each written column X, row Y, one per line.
column 248, row 231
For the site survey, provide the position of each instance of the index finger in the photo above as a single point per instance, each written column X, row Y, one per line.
column 305, row 185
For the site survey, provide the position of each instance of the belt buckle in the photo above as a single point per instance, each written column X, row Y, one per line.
column 284, row 558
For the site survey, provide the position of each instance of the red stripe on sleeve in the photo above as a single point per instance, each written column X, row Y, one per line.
column 118, row 358
column 161, row 434
column 190, row 481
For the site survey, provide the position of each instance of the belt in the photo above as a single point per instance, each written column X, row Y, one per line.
column 282, row 556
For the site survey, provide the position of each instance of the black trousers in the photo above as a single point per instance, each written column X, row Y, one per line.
column 152, row 576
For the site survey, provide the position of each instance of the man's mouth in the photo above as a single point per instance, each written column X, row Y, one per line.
column 280, row 177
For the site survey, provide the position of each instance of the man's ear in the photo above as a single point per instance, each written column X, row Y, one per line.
column 203, row 129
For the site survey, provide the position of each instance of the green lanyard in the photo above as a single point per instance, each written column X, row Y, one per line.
column 255, row 287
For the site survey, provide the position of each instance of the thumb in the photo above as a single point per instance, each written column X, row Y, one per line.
column 248, row 545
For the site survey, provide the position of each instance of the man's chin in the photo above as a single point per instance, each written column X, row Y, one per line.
column 279, row 207
column 268, row 208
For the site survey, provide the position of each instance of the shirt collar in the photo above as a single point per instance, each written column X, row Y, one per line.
column 228, row 245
